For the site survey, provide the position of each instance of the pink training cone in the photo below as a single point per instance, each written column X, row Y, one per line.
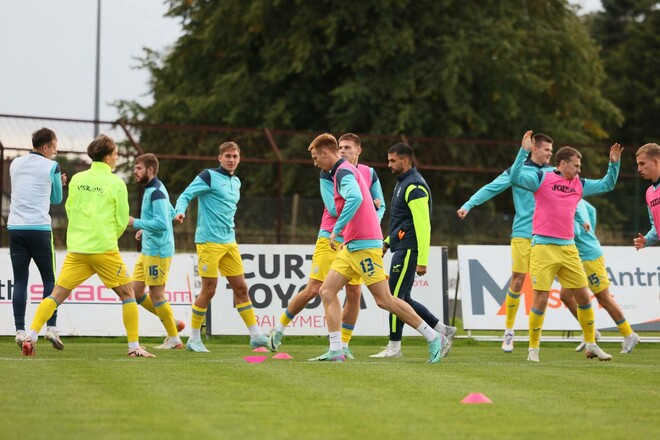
column 255, row 359
column 261, row 350
column 476, row 398
column 282, row 356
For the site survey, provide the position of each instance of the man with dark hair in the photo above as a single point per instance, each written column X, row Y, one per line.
column 554, row 253
column 409, row 239
column 155, row 231
column 521, row 233
column 361, row 253
column 36, row 183
column 648, row 166
column 97, row 208
column 219, row 191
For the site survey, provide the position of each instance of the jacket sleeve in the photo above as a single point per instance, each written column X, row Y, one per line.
column 160, row 217
column 376, row 191
column 350, row 191
column 651, row 236
column 121, row 213
column 488, row 191
column 199, row 185
column 418, row 202
column 531, row 182
column 593, row 187
column 56, row 184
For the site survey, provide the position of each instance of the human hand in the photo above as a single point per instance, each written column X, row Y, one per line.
column 527, row 141
column 332, row 238
column 462, row 213
column 639, row 242
column 615, row 153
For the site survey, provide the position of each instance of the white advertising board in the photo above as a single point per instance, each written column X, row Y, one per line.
column 274, row 274
column 92, row 309
column 485, row 272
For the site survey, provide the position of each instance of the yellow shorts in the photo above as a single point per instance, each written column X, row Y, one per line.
column 214, row 257
column 550, row 260
column 152, row 271
column 596, row 274
column 365, row 263
column 78, row 267
column 322, row 260
column 521, row 249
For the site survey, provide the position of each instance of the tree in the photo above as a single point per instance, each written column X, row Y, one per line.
column 629, row 32
column 448, row 68
column 422, row 67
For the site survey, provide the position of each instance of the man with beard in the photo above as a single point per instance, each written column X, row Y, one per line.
column 153, row 265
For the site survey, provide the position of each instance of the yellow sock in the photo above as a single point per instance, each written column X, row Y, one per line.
column 164, row 311
column 536, row 318
column 286, row 318
column 624, row 328
column 198, row 315
column 145, row 302
column 512, row 303
column 586, row 318
column 247, row 313
column 44, row 312
column 346, row 332
column 130, row 314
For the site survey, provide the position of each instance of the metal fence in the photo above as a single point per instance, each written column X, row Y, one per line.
column 280, row 200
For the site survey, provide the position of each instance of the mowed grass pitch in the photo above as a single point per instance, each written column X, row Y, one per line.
column 92, row 390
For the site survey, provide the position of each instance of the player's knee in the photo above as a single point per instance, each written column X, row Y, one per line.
column 384, row 302
column 517, row 282
column 326, row 293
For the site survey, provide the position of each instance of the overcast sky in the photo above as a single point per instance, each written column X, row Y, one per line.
column 48, row 54
column 48, row 50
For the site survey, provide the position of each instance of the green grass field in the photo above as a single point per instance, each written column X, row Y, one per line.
column 92, row 390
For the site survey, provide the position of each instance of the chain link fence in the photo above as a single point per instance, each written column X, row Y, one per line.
column 280, row 200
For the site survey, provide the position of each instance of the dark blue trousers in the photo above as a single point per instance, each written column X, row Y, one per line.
column 24, row 246
column 402, row 277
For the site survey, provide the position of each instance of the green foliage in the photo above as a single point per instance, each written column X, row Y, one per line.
column 629, row 32
column 431, row 67
column 423, row 68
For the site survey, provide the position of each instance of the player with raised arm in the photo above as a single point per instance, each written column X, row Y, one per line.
column 537, row 160
column 554, row 252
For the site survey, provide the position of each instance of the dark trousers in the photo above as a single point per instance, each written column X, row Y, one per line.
column 24, row 246
column 402, row 277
